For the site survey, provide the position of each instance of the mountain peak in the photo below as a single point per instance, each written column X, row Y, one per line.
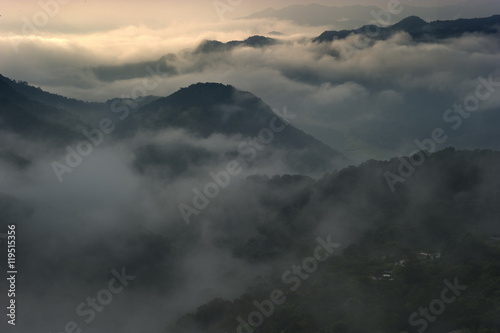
column 218, row 46
column 208, row 85
column 259, row 41
column 409, row 23
column 207, row 93
column 208, row 107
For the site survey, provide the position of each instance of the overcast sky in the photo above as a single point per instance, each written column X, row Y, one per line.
column 85, row 15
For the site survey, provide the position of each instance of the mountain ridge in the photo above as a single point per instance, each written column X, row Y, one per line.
column 255, row 41
column 419, row 29
column 202, row 109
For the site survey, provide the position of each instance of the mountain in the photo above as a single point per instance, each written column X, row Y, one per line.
column 29, row 127
column 217, row 46
column 205, row 109
column 397, row 254
column 263, row 252
column 21, row 115
column 411, row 23
column 68, row 109
column 421, row 30
column 168, row 65
column 47, row 98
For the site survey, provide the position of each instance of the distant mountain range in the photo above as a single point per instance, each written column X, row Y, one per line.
column 215, row 45
column 352, row 17
column 418, row 28
column 169, row 64
column 205, row 109
column 421, row 30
